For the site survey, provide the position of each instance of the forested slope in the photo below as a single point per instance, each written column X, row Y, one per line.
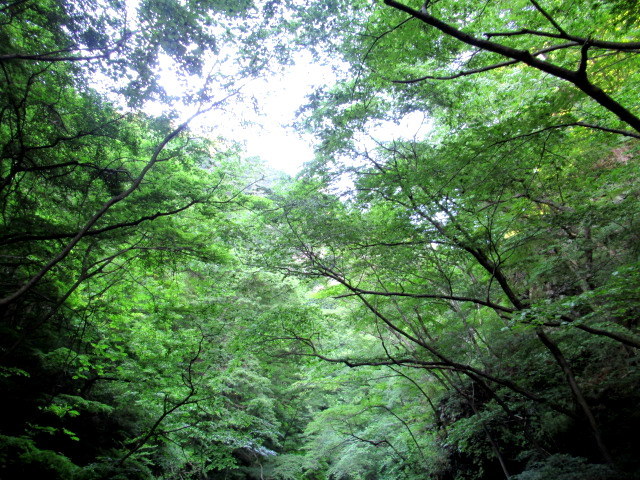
column 454, row 301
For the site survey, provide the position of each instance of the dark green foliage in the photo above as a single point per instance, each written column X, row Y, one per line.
column 458, row 303
column 120, row 318
column 494, row 251
column 565, row 467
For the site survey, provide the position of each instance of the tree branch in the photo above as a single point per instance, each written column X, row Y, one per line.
column 55, row 56
column 576, row 391
column 25, row 237
column 548, row 17
column 468, row 370
column 573, row 77
column 455, row 298
column 618, row 46
column 155, row 158
column 484, row 69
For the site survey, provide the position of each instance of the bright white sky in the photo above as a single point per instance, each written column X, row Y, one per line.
column 272, row 137
column 266, row 131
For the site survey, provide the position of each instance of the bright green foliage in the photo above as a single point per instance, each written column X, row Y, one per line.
column 495, row 251
column 458, row 303
column 123, row 300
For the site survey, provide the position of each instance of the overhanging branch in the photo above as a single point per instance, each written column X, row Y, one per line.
column 575, row 77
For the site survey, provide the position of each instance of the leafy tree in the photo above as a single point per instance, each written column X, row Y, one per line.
column 115, row 229
column 470, row 253
column 460, row 303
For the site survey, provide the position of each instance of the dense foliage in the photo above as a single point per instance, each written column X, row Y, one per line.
column 458, row 301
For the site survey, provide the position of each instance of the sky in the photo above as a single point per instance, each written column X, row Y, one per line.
column 272, row 136
column 265, row 127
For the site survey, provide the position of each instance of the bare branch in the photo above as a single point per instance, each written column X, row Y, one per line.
column 623, row 338
column 625, row 133
column 584, row 59
column 576, row 390
column 59, row 55
column 382, row 35
column 478, row 375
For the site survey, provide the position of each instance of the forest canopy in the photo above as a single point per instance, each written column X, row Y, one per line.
column 456, row 302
